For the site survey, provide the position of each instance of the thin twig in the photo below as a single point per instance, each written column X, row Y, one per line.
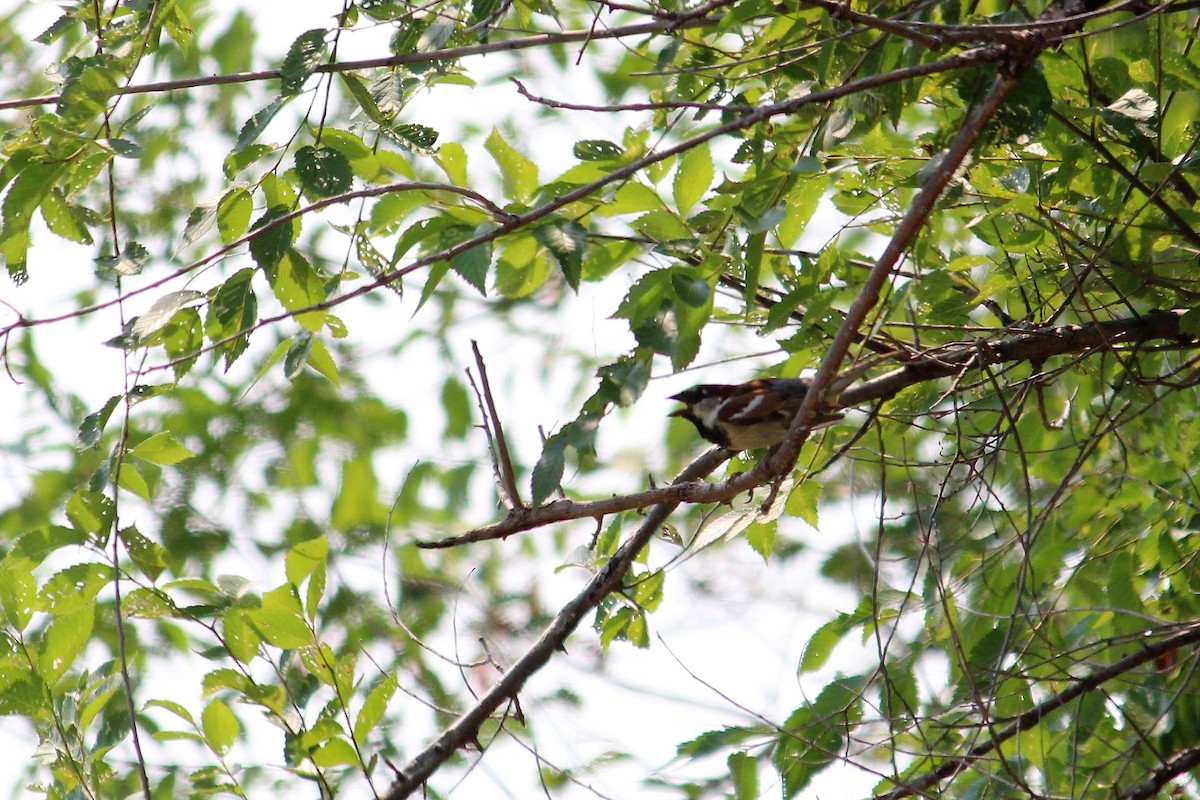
column 1033, row 346
column 921, row 784
column 610, row 578
column 433, row 56
column 503, row 462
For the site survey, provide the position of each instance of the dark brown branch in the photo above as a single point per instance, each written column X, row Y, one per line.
column 465, row 729
column 1184, row 761
column 509, row 222
column 784, row 459
column 921, row 784
column 433, row 56
column 1034, row 346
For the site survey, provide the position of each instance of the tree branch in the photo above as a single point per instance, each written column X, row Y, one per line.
column 1034, row 346
column 465, row 729
column 921, row 784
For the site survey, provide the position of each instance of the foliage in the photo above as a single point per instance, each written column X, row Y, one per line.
column 979, row 223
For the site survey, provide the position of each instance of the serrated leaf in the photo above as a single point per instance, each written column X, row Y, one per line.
column 548, row 472
column 220, row 726
column 64, row 219
column 297, row 355
column 131, row 480
column 280, row 619
column 597, row 150
column 519, row 174
column 274, row 238
column 437, row 33
column 324, row 172
column 123, row 148
column 374, row 707
column 420, row 138
column 693, row 176
column 199, row 222
column 233, row 214
column 820, row 645
column 162, row 449
column 24, row 196
column 160, row 313
column 64, row 640
column 92, row 427
column 130, row 262
column 565, row 239
column 320, row 359
column 150, row 556
column 258, row 123
column 305, row 55
column 472, row 265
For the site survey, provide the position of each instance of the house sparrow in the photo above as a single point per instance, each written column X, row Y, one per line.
column 744, row 416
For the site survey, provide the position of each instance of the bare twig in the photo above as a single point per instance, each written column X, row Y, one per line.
column 465, row 729
column 505, row 474
column 431, row 57
column 921, row 784
column 1034, row 346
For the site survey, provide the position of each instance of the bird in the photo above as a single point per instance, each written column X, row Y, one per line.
column 746, row 416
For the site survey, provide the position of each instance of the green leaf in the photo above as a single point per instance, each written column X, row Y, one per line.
column 336, row 752
column 565, row 240
column 548, row 472
column 232, row 312
column 160, row 314
column 132, row 480
column 92, row 427
column 18, row 592
column 26, row 194
column 150, row 557
column 65, row 219
column 519, row 174
column 411, row 136
column 90, row 513
column 457, row 405
column 233, row 214
column 820, row 644
column 220, row 726
column 297, row 354
column 162, row 449
column 275, row 238
column 472, row 265
column 357, row 501
column 452, row 158
column 296, row 285
column 374, row 707
column 693, row 177
column 258, row 123
column 320, row 359
column 597, row 150
column 803, row 501
column 743, row 771
column 304, row 557
column 324, row 172
column 64, row 640
column 280, row 619
column 240, row 635
column 305, row 55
